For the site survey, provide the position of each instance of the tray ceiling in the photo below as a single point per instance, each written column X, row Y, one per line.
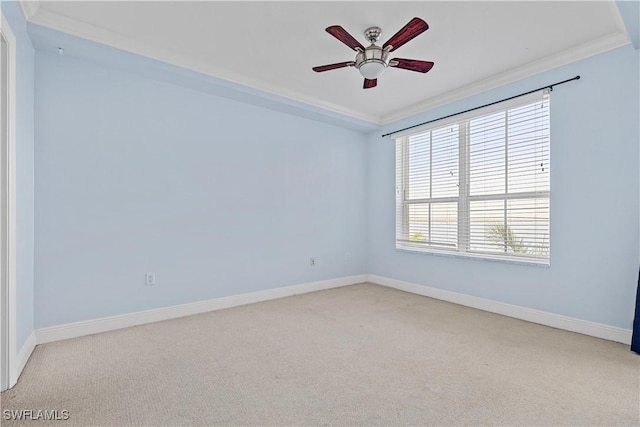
column 272, row 46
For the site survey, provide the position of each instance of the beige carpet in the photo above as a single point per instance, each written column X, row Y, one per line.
column 359, row 355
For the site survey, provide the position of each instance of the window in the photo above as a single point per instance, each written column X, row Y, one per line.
column 478, row 186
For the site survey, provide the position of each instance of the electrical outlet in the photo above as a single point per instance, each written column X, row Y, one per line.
column 312, row 261
column 150, row 279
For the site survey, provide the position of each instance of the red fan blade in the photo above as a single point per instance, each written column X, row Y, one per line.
column 341, row 34
column 322, row 68
column 414, row 28
column 368, row 84
column 411, row 64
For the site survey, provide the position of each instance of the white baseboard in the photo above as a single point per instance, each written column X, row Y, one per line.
column 78, row 329
column 22, row 358
column 558, row 321
column 104, row 324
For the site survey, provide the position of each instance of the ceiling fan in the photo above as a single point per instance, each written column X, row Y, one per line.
column 372, row 61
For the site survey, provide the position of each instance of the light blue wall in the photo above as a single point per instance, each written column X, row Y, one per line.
column 630, row 14
column 142, row 167
column 594, row 201
column 216, row 197
column 49, row 40
column 24, row 170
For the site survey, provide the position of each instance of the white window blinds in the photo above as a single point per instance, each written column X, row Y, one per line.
column 478, row 186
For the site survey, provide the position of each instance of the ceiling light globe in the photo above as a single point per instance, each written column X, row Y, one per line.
column 371, row 69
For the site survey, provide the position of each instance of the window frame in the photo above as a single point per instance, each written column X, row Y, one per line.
column 464, row 198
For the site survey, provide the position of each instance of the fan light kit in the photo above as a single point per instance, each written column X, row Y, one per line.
column 373, row 60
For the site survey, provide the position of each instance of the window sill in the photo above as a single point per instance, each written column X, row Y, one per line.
column 545, row 263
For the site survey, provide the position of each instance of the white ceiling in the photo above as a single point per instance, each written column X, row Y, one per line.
column 273, row 45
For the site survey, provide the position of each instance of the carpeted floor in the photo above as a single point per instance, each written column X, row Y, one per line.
column 358, row 355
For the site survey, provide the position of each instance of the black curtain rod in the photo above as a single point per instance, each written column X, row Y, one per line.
column 485, row 105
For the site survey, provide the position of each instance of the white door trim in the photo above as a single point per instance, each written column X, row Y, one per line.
column 8, row 349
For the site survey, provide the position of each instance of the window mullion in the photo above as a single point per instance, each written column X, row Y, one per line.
column 430, row 182
column 506, row 180
column 405, row 187
column 463, row 187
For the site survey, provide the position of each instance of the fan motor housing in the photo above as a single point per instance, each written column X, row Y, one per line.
column 372, row 61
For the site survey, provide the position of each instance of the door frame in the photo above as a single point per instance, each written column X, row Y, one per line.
column 8, row 350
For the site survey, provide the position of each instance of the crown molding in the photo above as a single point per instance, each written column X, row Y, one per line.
column 103, row 36
column 29, row 8
column 594, row 47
